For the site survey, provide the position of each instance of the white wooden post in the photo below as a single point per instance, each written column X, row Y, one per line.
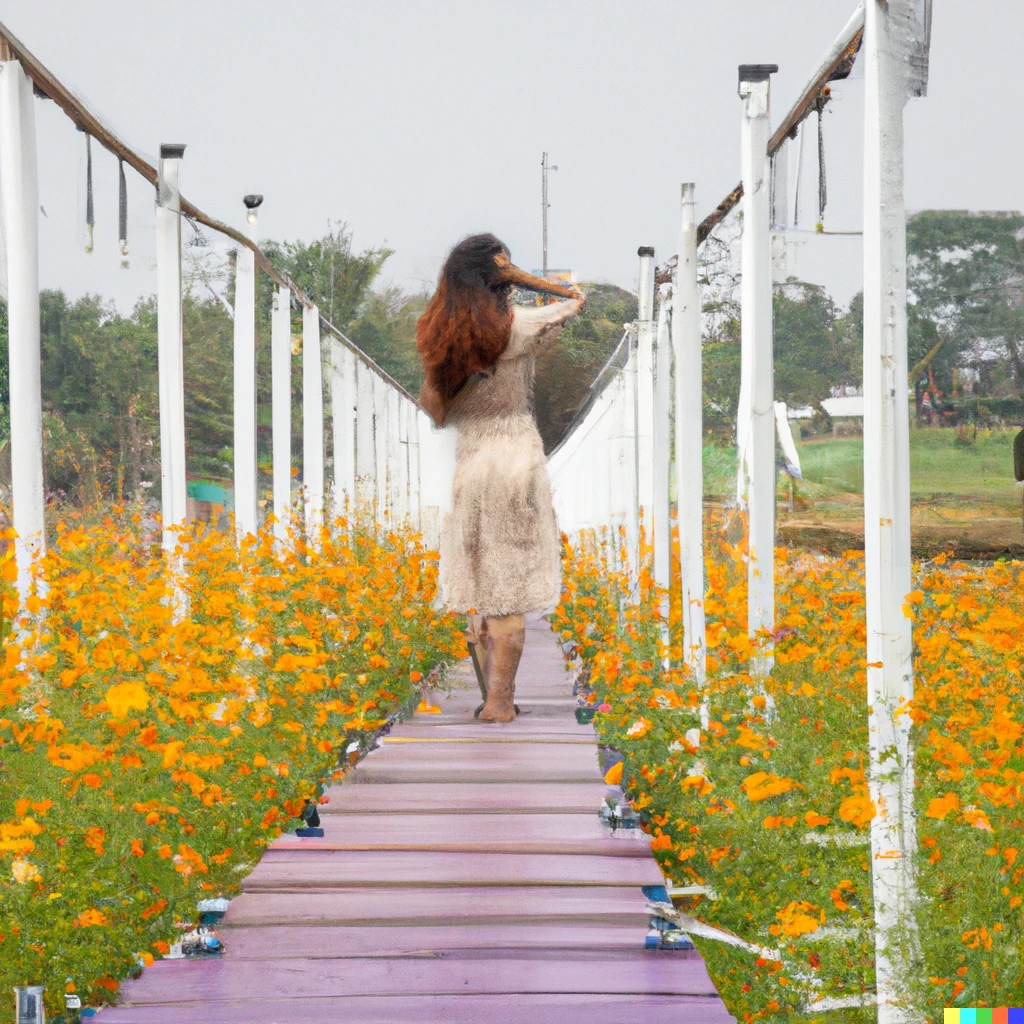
column 404, row 412
column 756, row 425
column 686, row 339
column 393, row 449
column 661, row 520
column 281, row 387
column 246, row 505
column 644, row 407
column 312, row 423
column 415, row 502
column 343, row 411
column 170, row 348
column 887, row 506
column 20, row 196
column 365, row 455
column 380, row 444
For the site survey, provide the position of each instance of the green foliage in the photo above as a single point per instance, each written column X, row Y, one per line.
column 964, row 273
column 566, row 370
column 386, row 332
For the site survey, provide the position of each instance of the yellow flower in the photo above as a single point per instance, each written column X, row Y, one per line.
column 25, row 871
column 124, row 697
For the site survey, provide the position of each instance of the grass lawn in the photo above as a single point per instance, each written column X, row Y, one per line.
column 938, row 465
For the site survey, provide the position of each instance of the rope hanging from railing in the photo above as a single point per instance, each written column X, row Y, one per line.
column 122, row 212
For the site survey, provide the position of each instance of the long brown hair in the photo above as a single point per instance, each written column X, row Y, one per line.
column 466, row 325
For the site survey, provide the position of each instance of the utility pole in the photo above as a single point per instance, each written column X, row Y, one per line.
column 545, row 167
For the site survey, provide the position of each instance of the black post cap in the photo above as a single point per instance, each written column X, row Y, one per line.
column 251, row 201
column 172, row 151
column 757, row 72
column 645, row 250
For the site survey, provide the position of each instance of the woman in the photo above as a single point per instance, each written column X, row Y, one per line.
column 500, row 544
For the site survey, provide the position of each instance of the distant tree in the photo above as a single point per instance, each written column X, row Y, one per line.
column 566, row 369
column 965, row 275
column 813, row 351
column 386, row 331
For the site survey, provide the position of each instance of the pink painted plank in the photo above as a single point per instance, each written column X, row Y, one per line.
column 477, row 833
column 479, row 762
column 496, row 905
column 279, row 1008
column 657, row 974
column 289, row 871
column 329, row 941
column 467, row 798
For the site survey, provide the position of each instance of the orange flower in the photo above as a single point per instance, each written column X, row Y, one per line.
column 762, row 785
column 940, row 806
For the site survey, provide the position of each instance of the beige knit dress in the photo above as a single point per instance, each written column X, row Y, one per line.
column 500, row 544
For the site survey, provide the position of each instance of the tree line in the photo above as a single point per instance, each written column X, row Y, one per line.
column 99, row 366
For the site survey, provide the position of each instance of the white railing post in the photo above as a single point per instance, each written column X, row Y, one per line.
column 887, row 507
column 246, row 505
column 170, row 347
column 281, row 396
column 644, row 402
column 20, row 196
column 391, row 456
column 343, row 409
column 365, row 455
column 756, row 423
column 312, row 423
column 404, row 411
column 686, row 338
column 380, row 447
column 661, row 520
column 415, row 499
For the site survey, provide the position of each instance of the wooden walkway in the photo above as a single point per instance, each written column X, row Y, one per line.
column 463, row 876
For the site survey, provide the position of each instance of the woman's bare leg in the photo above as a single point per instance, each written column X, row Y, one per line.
column 505, row 637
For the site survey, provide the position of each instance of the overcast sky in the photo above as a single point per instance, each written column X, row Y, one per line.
column 418, row 121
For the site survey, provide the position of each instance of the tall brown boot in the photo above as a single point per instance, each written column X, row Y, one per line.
column 505, row 639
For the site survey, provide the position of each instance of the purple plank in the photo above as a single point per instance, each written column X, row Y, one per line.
column 280, row 1008
column 478, row 762
column 467, row 798
column 497, row 905
column 330, row 941
column 477, row 833
column 658, row 974
column 289, row 871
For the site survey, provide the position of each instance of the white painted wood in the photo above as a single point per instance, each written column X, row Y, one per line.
column 281, row 405
column 380, row 442
column 686, row 338
column 644, row 409
column 785, row 432
column 437, row 474
column 415, row 503
column 662, row 454
column 19, row 182
column 170, row 347
column 246, row 505
column 312, row 422
column 756, row 426
column 393, row 440
column 404, row 411
column 343, row 420
column 887, row 502
column 366, row 459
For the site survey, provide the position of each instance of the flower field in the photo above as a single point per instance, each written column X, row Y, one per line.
column 771, row 814
column 146, row 762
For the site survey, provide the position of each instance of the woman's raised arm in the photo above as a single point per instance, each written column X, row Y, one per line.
column 534, row 326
